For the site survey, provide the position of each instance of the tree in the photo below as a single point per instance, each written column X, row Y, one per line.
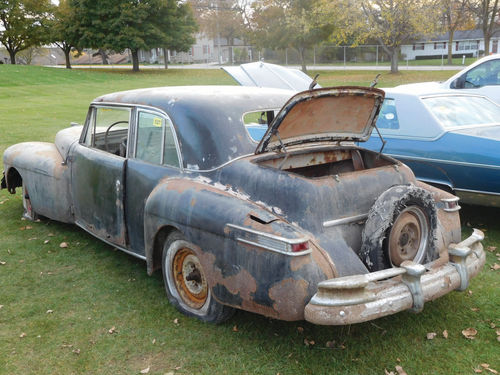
column 120, row 24
column 391, row 23
column 486, row 12
column 456, row 16
column 64, row 29
column 289, row 23
column 22, row 24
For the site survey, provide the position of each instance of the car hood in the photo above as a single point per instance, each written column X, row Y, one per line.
column 487, row 131
column 327, row 114
column 261, row 74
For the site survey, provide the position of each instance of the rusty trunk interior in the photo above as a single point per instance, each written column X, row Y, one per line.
column 325, row 162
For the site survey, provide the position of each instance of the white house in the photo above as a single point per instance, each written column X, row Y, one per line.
column 467, row 42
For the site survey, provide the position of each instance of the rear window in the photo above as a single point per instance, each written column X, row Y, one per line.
column 256, row 123
column 457, row 111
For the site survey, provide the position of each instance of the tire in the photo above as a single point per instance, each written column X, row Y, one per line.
column 185, row 282
column 401, row 226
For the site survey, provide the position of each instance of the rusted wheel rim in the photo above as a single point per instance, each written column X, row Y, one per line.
column 408, row 236
column 189, row 278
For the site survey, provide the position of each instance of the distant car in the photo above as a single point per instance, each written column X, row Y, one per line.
column 481, row 77
column 297, row 226
column 449, row 139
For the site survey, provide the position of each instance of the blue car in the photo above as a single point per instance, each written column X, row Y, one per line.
column 449, row 140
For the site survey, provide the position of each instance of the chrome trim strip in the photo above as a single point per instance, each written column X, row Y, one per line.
column 345, row 220
column 111, row 244
column 289, row 253
column 478, row 192
column 290, row 241
column 462, row 163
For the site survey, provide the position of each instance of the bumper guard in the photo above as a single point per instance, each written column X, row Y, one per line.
column 359, row 298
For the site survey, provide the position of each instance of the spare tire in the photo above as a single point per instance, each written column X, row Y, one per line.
column 401, row 226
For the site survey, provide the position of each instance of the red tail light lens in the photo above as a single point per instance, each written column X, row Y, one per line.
column 296, row 247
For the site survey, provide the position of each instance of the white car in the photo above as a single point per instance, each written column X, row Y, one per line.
column 482, row 77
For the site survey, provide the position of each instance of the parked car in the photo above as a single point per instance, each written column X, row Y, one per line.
column 301, row 225
column 481, row 78
column 449, row 139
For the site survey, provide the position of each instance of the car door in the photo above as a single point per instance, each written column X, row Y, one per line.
column 97, row 173
column 154, row 155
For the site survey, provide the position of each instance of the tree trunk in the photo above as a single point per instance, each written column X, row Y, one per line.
column 12, row 55
column 450, row 47
column 486, row 44
column 104, row 57
column 135, row 60
column 302, row 52
column 66, row 55
column 394, row 59
column 165, row 58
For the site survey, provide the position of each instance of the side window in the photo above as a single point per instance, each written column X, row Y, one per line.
column 388, row 116
column 108, row 130
column 487, row 73
column 155, row 140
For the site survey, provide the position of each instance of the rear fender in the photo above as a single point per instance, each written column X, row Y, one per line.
column 239, row 274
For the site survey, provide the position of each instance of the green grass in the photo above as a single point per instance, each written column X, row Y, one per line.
column 91, row 288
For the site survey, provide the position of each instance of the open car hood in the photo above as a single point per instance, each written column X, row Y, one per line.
column 261, row 74
column 327, row 114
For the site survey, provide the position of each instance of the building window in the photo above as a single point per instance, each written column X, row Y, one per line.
column 440, row 45
column 418, row 46
column 467, row 45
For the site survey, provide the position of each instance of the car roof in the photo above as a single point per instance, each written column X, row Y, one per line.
column 208, row 119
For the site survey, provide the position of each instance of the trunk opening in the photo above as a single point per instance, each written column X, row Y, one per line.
column 325, row 162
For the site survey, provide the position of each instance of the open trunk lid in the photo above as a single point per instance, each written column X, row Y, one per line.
column 327, row 114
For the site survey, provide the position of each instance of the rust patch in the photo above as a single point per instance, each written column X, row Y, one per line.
column 285, row 295
column 297, row 263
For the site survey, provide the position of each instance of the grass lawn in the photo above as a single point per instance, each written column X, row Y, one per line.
column 88, row 309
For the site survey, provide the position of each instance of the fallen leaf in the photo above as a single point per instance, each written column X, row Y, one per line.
column 300, row 329
column 469, row 333
column 2, row 263
column 398, row 360
column 46, row 242
column 469, row 292
column 495, row 267
column 330, row 344
column 485, row 365
column 50, row 234
column 176, row 321
column 66, row 346
column 431, row 335
column 22, row 335
column 153, row 342
column 445, row 334
column 497, row 331
column 309, row 342
column 63, row 245
column 475, row 309
column 492, row 248
column 29, row 227
column 177, row 368
column 76, row 351
column 235, row 328
column 400, row 370
column 388, row 373
column 492, row 371
column 492, row 325
column 342, row 346
column 1, row 306
column 50, row 311
column 169, row 373
column 478, row 371
column 112, row 330
column 145, row 371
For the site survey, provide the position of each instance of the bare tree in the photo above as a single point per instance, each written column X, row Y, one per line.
column 486, row 12
column 456, row 15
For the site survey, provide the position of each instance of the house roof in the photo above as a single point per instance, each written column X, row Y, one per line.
column 476, row 34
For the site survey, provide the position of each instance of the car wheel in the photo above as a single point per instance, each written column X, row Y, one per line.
column 186, row 284
column 401, row 226
column 29, row 213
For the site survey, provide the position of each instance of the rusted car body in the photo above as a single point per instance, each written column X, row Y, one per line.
column 303, row 225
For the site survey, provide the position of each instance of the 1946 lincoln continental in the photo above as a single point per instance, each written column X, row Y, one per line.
column 301, row 225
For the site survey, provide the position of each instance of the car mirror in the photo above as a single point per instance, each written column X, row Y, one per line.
column 459, row 83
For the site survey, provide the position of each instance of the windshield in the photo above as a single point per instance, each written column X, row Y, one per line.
column 461, row 111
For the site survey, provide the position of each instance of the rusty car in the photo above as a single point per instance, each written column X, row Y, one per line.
column 303, row 224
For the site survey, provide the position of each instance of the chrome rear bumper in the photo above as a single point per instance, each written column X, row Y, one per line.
column 359, row 298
